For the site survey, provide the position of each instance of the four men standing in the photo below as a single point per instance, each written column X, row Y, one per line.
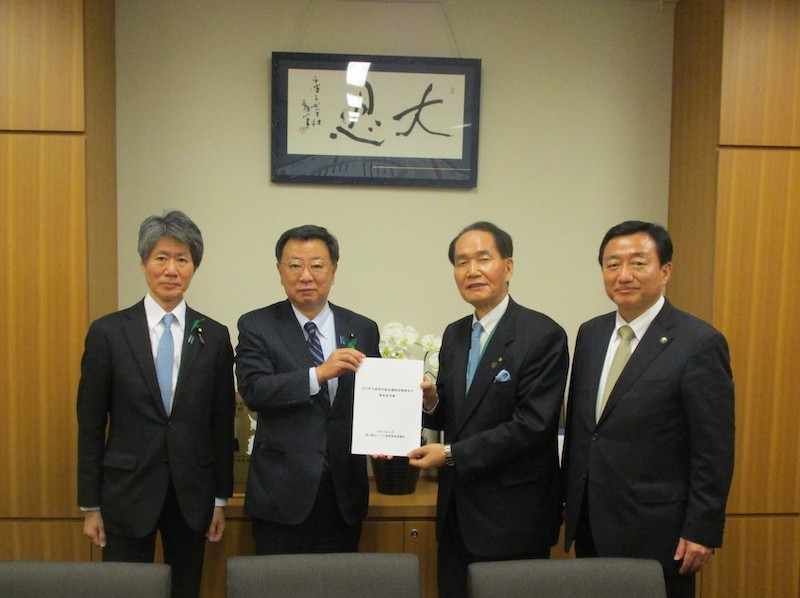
column 649, row 443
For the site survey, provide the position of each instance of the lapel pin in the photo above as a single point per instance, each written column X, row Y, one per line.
column 664, row 340
column 196, row 328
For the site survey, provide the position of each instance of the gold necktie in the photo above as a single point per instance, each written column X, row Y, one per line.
column 621, row 357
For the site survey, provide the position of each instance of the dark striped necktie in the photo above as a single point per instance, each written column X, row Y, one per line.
column 316, row 352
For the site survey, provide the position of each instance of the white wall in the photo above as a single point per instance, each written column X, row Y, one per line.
column 574, row 138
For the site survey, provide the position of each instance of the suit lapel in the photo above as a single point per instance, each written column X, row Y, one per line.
column 459, row 360
column 598, row 347
column 342, row 331
column 494, row 354
column 189, row 353
column 288, row 329
column 341, row 328
column 656, row 339
column 138, row 336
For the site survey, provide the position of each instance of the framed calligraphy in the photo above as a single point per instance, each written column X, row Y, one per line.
column 377, row 120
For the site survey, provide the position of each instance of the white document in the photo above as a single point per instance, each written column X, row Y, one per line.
column 387, row 408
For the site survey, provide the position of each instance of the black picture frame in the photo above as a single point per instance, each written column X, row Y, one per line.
column 417, row 123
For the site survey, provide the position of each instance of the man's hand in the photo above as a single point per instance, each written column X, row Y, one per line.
column 430, row 395
column 427, row 456
column 217, row 527
column 339, row 362
column 93, row 528
column 694, row 556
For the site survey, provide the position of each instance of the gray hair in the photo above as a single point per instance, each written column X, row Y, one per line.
column 174, row 224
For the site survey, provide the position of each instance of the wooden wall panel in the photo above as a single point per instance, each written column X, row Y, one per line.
column 101, row 158
column 43, row 541
column 735, row 216
column 420, row 539
column 758, row 301
column 761, row 557
column 41, row 65
column 382, row 536
column 761, row 73
column 43, row 297
column 693, row 152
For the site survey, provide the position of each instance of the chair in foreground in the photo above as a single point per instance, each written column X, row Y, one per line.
column 38, row 579
column 567, row 578
column 339, row 575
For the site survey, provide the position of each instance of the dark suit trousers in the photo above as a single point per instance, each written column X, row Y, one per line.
column 183, row 548
column 455, row 558
column 678, row 586
column 323, row 531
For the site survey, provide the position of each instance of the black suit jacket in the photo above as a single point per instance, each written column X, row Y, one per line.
column 127, row 472
column 294, row 433
column 658, row 464
column 505, row 482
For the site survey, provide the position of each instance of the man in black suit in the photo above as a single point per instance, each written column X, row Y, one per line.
column 166, row 461
column 498, row 479
column 648, row 458
column 295, row 364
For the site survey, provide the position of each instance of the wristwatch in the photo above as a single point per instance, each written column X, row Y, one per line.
column 448, row 455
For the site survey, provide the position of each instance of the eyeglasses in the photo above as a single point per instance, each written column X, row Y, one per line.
column 296, row 267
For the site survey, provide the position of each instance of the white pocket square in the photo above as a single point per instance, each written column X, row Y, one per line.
column 502, row 376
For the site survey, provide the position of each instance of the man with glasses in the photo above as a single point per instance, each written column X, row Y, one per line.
column 295, row 366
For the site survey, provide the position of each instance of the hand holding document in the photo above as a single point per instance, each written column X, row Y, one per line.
column 387, row 408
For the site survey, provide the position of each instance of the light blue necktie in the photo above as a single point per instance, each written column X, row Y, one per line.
column 165, row 362
column 474, row 352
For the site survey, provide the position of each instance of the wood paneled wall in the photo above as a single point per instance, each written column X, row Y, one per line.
column 758, row 302
column 41, row 65
column 693, row 151
column 57, row 233
column 761, row 74
column 747, row 566
column 43, row 244
column 735, row 217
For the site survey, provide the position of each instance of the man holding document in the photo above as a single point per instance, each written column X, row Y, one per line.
column 295, row 365
column 502, row 375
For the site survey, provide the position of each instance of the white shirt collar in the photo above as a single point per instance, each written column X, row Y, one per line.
column 155, row 313
column 642, row 322
column 322, row 319
column 490, row 320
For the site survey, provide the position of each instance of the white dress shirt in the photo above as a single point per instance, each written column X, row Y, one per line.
column 326, row 332
column 155, row 315
column 640, row 326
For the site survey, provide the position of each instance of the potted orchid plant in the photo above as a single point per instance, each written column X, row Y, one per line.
column 398, row 341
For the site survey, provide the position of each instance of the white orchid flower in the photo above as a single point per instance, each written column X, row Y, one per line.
column 431, row 343
column 398, row 341
column 392, row 332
